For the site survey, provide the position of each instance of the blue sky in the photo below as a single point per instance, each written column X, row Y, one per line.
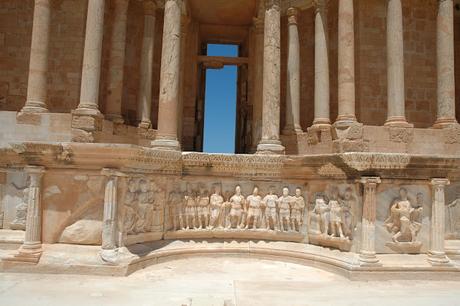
column 220, row 103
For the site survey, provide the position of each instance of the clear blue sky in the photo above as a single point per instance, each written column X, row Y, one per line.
column 220, row 103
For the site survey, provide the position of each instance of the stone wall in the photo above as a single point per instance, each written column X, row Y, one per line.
column 457, row 63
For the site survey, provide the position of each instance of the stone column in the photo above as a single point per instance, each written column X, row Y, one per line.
column 322, row 94
column 3, row 177
column 395, row 65
column 117, row 62
column 32, row 247
column 145, row 86
column 436, row 254
column 91, row 72
column 445, row 64
column 346, row 59
column 270, row 142
column 258, row 82
column 367, row 253
column 293, row 76
column 169, row 78
column 37, row 86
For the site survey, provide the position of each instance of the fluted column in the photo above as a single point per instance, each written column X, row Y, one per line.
column 145, row 86
column 346, row 60
column 322, row 94
column 436, row 254
column 445, row 64
column 270, row 142
column 293, row 76
column 258, row 82
column 91, row 72
column 169, row 78
column 37, row 85
column 117, row 62
column 367, row 253
column 395, row 65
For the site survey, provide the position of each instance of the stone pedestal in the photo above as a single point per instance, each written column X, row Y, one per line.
column 169, row 78
column 293, row 76
column 37, row 85
column 117, row 62
column 367, row 252
column 90, row 79
column 144, row 105
column 395, row 66
column 270, row 142
column 445, row 65
column 436, row 254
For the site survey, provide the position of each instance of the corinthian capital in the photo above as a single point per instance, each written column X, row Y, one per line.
column 272, row 4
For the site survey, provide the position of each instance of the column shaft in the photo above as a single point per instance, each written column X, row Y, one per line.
column 445, row 64
column 146, row 68
column 367, row 253
column 32, row 238
column 117, row 62
column 91, row 72
column 436, row 253
column 37, row 85
column 258, row 82
column 270, row 142
column 169, row 78
column 395, row 65
column 109, row 230
column 346, row 60
column 322, row 94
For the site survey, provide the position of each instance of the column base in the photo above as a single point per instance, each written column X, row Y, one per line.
column 145, row 124
column 87, row 111
column 34, row 107
column 398, row 121
column 368, row 258
column 442, row 123
column 115, row 118
column 345, row 121
column 292, row 130
column 321, row 122
column 26, row 253
column 438, row 258
column 270, row 147
column 166, row 144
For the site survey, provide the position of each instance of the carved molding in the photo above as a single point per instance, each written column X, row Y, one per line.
column 365, row 161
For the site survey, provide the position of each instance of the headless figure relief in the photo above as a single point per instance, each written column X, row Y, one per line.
column 270, row 202
column 217, row 208
column 254, row 216
column 203, row 209
column 190, row 208
column 236, row 211
column 285, row 210
column 298, row 206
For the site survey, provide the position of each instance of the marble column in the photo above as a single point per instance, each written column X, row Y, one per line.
column 445, row 64
column 293, row 76
column 109, row 229
column 322, row 94
column 258, row 25
column 270, row 142
column 367, row 252
column 37, row 85
column 91, row 72
column 169, row 78
column 436, row 254
column 346, row 60
column 145, row 86
column 32, row 247
column 395, row 65
column 117, row 62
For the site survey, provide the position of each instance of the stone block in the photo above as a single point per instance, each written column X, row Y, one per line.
column 29, row 118
column 79, row 135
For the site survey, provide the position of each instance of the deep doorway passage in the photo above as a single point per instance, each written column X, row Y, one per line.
column 220, row 103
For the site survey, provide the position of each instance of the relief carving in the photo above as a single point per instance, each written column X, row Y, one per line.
column 453, row 218
column 19, row 222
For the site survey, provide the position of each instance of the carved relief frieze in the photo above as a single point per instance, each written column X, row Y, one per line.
column 452, row 213
column 365, row 161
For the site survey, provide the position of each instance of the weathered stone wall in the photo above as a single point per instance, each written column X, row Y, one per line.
column 457, row 63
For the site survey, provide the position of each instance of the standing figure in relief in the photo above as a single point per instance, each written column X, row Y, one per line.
column 236, row 212
column 131, row 207
column 298, row 206
column 146, row 200
column 335, row 215
column 270, row 202
column 285, row 202
column 402, row 221
column 203, row 208
column 217, row 207
column 254, row 202
column 349, row 213
column 176, row 206
column 453, row 212
column 19, row 222
column 190, row 208
column 321, row 214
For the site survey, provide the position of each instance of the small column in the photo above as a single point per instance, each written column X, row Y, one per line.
column 258, row 24
column 270, row 143
column 346, row 60
column 367, row 253
column 445, row 64
column 322, row 94
column 91, row 72
column 169, row 78
column 293, row 76
column 395, row 66
column 117, row 62
column 37, row 86
column 146, row 68
column 436, row 254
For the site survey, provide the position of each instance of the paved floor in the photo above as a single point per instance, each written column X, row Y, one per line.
column 221, row 281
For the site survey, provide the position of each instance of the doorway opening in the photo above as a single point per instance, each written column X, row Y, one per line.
column 220, row 102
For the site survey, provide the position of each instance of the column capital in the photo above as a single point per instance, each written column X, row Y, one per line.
column 370, row 180
column 112, row 172
column 272, row 4
column 292, row 14
column 440, row 182
column 320, row 6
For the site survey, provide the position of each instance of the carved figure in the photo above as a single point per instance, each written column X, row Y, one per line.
column 131, row 207
column 453, row 213
column 297, row 209
column 270, row 202
column 403, row 220
column 146, row 200
column 349, row 213
column 254, row 216
column 19, row 222
column 217, row 208
column 236, row 212
column 335, row 214
column 176, row 206
column 203, row 208
column 190, row 208
column 321, row 214
column 285, row 210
